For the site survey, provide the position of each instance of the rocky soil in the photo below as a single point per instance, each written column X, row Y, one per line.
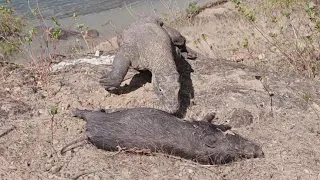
column 278, row 110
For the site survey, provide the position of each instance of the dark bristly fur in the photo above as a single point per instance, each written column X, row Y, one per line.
column 159, row 131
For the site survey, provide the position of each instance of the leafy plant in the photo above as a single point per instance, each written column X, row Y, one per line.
column 55, row 21
column 245, row 43
column 11, row 30
column 56, row 34
column 193, row 9
column 242, row 9
column 53, row 110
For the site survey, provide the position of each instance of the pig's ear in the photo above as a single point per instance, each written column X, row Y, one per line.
column 210, row 141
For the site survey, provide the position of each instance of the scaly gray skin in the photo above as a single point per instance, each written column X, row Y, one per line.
column 177, row 39
column 159, row 131
column 145, row 45
column 180, row 41
column 141, row 21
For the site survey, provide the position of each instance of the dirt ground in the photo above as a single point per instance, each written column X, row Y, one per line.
column 285, row 108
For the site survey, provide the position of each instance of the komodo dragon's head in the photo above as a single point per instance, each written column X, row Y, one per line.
column 176, row 37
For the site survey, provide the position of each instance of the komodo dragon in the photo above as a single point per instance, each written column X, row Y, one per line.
column 145, row 45
column 176, row 37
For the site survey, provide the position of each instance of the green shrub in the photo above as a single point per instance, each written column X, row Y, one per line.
column 193, row 9
column 11, row 31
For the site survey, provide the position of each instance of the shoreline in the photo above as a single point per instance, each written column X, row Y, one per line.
column 108, row 24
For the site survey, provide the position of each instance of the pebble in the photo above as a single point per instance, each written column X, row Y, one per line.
column 12, row 168
column 16, row 89
column 47, row 167
column 261, row 56
column 55, row 169
column 98, row 53
column 156, row 176
column 55, row 141
column 95, row 177
column 306, row 171
column 67, row 175
column 190, row 171
column 50, row 161
column 50, row 176
column 41, row 111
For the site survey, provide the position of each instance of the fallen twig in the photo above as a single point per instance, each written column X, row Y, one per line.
column 65, row 148
column 84, row 173
column 5, row 132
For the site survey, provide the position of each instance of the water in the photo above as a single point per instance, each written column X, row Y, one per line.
column 106, row 16
column 66, row 8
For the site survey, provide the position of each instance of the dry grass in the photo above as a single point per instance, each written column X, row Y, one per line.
column 287, row 30
column 288, row 131
column 289, row 137
column 292, row 27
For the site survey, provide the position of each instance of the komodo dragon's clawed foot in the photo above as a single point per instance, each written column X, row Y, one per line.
column 104, row 82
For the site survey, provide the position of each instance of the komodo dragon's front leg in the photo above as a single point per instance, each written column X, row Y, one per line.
column 120, row 66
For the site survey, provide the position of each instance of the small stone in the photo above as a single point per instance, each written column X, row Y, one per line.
column 91, row 33
column 50, row 161
column 12, row 168
column 68, row 153
column 54, row 142
column 44, row 154
column 241, row 118
column 16, row 89
column 261, row 56
column 240, row 57
column 50, row 176
column 96, row 177
column 274, row 49
column 47, row 167
column 67, row 175
column 56, row 169
column 98, row 53
column 190, row 171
